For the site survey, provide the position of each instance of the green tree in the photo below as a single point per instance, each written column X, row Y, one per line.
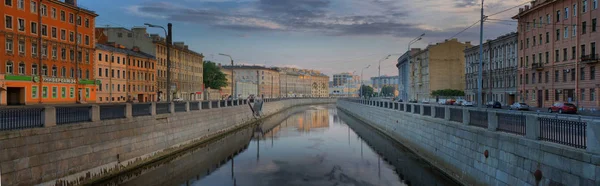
column 448, row 93
column 366, row 90
column 387, row 90
column 213, row 77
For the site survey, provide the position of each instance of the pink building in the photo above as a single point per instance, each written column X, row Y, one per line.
column 557, row 53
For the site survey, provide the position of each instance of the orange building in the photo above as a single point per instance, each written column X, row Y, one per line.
column 46, row 52
column 110, row 73
column 141, row 74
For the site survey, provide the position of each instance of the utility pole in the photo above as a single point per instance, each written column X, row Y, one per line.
column 480, row 67
column 169, row 40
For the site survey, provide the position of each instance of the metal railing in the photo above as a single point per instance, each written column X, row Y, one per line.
column 112, row 112
column 236, row 102
column 205, row 105
column 456, row 115
column 222, row 103
column 141, row 109
column 565, row 132
column 417, row 109
column 21, row 118
column 214, row 104
column 229, row 103
column 396, row 106
column 180, row 107
column 195, row 105
column 408, row 108
column 73, row 114
column 511, row 123
column 478, row 118
column 440, row 112
column 591, row 58
column 402, row 106
column 427, row 110
column 163, row 108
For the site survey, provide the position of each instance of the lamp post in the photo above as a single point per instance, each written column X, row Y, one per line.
column 379, row 74
column 168, row 35
column 480, row 66
column 361, row 80
column 232, row 82
column 404, row 93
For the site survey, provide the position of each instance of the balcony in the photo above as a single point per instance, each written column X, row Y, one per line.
column 589, row 59
column 537, row 66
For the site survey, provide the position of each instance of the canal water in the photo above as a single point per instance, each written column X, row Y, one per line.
column 312, row 145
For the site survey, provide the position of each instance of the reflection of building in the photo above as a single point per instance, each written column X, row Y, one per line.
column 312, row 119
column 438, row 67
column 381, row 81
column 499, row 70
column 47, row 53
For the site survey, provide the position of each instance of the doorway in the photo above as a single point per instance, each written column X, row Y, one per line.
column 15, row 96
column 140, row 97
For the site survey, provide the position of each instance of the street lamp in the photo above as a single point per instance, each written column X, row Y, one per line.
column 168, row 35
column 361, row 80
column 404, row 93
column 379, row 75
column 232, row 84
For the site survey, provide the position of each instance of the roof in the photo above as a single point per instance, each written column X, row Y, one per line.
column 124, row 51
column 248, row 67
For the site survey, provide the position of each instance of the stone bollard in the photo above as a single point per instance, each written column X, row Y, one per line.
column 218, row 103
column 433, row 113
column 172, row 107
column 492, row 121
column 199, row 105
column 95, row 113
column 466, row 115
column 209, row 104
column 49, row 116
column 593, row 137
column 128, row 110
column 447, row 113
column 153, row 109
column 187, row 106
column 532, row 127
column 422, row 109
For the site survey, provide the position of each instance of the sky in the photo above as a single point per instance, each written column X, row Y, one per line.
column 332, row 36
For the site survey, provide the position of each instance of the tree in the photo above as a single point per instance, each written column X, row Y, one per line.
column 366, row 90
column 213, row 77
column 448, row 93
column 387, row 90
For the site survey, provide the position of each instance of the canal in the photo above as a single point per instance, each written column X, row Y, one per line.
column 311, row 145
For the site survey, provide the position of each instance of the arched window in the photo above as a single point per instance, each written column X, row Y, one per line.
column 9, row 67
column 34, row 69
column 44, row 70
column 54, row 70
column 21, row 68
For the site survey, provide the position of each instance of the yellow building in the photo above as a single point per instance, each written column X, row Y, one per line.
column 186, row 70
column 438, row 67
column 268, row 78
column 110, row 72
column 303, row 83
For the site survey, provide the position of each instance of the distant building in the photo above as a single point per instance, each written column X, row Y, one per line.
column 303, row 83
column 499, row 70
column 379, row 82
column 345, row 84
column 404, row 73
column 266, row 78
column 437, row 67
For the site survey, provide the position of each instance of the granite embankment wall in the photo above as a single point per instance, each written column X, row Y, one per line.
column 76, row 153
column 459, row 148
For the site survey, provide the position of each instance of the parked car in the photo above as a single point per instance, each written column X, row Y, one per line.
column 178, row 100
column 450, row 102
column 519, row 106
column 467, row 104
column 493, row 104
column 563, row 108
column 459, row 102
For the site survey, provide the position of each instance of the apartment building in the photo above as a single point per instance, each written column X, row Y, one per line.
column 404, row 73
column 499, row 70
column 266, row 78
column 46, row 52
column 557, row 53
column 141, row 76
column 110, row 73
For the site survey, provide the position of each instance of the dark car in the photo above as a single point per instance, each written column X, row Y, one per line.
column 563, row 108
column 493, row 104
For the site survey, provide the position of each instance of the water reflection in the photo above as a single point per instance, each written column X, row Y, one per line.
column 313, row 145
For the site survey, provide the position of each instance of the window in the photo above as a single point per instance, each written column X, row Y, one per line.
column 574, row 9
column 72, row 92
column 546, row 95
column 43, row 10
column 87, row 40
column 78, row 20
column 9, row 67
column 99, row 56
column 112, row 73
column 63, row 92
column 78, row 38
column 87, row 22
column 62, row 16
column 566, row 32
column 534, row 41
column 593, row 48
column 573, row 74
column 557, row 34
column 540, row 39
column 71, row 19
column 63, row 72
column 583, row 27
column 34, row 69
column 54, row 92
column 44, row 92
column 106, row 72
column 72, row 73
column 34, row 91
column 53, row 32
column 567, row 13
column 34, row 49
column 21, row 24
column 63, row 35
column 119, row 35
column 548, row 21
column 546, row 76
column 582, row 50
column 574, row 33
column 22, row 47
column 547, row 57
column 582, row 97
column 54, row 52
column 33, row 7
column 8, row 22
column 87, row 57
column 556, row 74
column 584, row 6
column 54, row 71
column 63, row 54
column 87, row 92
column 533, row 78
column 44, row 50
column 573, row 52
column 592, row 94
column 595, row 4
column 44, row 30
column 558, row 16
column 99, row 72
column 53, row 13
column 564, row 54
column 71, row 36
column 118, row 73
column 87, row 74
column 526, row 78
column 592, row 72
column 564, row 75
column 594, row 25
column 9, row 45
column 33, row 27
column 72, row 55
column 527, row 42
column 44, row 70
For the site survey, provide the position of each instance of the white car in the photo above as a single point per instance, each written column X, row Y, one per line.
column 178, row 99
column 467, row 104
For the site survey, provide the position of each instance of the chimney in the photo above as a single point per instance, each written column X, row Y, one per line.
column 468, row 42
column 526, row 7
column 185, row 47
column 178, row 44
column 136, row 49
column 520, row 10
column 71, row 2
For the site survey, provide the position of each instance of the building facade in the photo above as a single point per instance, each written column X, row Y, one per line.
column 499, row 70
column 379, row 82
column 266, row 78
column 110, row 73
column 186, row 70
column 141, row 76
column 45, row 55
column 345, row 84
column 303, row 83
column 557, row 53
column 403, row 66
column 438, row 67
